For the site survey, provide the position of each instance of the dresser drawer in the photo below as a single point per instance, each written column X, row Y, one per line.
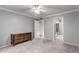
column 17, row 38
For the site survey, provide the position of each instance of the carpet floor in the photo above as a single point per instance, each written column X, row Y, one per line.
column 41, row 46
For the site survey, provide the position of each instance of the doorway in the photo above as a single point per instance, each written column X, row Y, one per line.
column 38, row 28
column 58, row 28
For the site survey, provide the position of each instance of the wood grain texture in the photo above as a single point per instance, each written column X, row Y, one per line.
column 21, row 37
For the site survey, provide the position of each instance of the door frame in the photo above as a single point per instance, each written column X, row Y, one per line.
column 54, row 19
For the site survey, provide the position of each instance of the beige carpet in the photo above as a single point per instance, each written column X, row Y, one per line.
column 41, row 46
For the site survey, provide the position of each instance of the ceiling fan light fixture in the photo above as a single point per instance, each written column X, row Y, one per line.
column 37, row 11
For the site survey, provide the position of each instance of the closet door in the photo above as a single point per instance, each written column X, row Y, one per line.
column 36, row 29
column 39, row 28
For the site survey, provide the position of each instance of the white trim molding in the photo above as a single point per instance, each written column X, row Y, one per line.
column 71, row 44
column 5, row 46
column 62, row 13
column 16, row 12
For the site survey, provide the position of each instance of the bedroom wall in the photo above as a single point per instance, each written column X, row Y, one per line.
column 48, row 28
column 71, row 28
column 13, row 23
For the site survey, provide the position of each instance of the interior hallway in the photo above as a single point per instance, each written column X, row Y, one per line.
column 41, row 45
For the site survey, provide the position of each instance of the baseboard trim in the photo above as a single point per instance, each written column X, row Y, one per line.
column 5, row 46
column 71, row 43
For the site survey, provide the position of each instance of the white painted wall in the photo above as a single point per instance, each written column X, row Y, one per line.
column 12, row 23
column 71, row 28
column 48, row 28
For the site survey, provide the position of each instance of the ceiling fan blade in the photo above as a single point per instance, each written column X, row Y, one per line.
column 42, row 10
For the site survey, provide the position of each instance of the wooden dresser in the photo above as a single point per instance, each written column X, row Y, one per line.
column 21, row 37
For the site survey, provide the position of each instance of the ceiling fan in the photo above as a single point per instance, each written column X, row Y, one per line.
column 38, row 9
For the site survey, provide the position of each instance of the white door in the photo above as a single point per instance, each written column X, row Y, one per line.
column 39, row 28
column 36, row 29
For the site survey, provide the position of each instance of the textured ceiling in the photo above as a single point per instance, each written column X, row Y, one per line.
column 50, row 9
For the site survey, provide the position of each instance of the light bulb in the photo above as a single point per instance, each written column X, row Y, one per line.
column 37, row 11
